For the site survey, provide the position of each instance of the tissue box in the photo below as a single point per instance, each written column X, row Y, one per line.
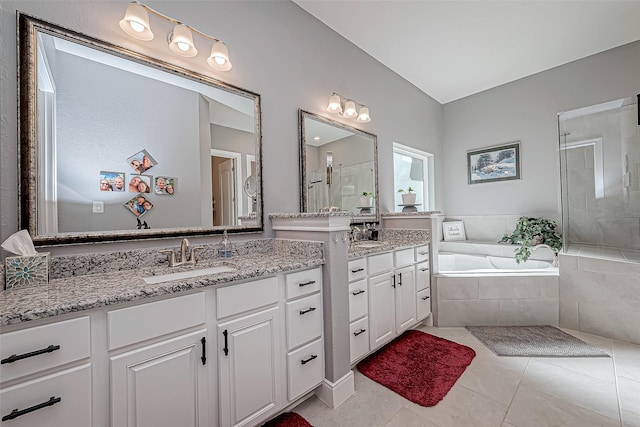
column 26, row 271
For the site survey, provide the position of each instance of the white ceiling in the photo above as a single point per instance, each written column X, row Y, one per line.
column 452, row 49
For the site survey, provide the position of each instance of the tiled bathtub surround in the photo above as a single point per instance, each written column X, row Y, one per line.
column 600, row 296
column 495, row 300
column 91, row 281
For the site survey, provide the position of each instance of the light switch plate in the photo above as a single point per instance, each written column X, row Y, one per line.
column 98, row 207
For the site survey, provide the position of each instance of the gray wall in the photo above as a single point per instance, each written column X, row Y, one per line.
column 526, row 111
column 279, row 51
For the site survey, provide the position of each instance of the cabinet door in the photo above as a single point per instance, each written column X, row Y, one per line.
column 249, row 360
column 164, row 384
column 381, row 310
column 405, row 293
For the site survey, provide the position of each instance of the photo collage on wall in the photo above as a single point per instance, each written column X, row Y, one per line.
column 140, row 183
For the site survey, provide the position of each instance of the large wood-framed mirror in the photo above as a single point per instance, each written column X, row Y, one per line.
column 338, row 166
column 115, row 145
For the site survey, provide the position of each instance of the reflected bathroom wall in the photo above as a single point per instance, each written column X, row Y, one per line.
column 600, row 171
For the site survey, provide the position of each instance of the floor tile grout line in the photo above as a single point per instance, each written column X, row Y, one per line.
column 515, row 392
column 617, row 383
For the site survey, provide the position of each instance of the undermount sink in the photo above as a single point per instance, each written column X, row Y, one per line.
column 367, row 244
column 150, row 280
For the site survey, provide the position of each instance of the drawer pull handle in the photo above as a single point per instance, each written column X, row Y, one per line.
column 307, row 310
column 226, row 343
column 17, row 413
column 423, row 253
column 305, row 361
column 361, row 331
column 394, row 282
column 204, row 349
column 310, row 282
column 400, row 279
column 15, row 357
column 424, row 269
column 358, row 292
column 425, row 298
column 357, row 270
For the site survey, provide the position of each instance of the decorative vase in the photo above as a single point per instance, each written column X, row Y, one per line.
column 409, row 199
column 365, row 201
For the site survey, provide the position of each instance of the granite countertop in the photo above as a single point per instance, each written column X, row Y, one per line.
column 74, row 293
column 390, row 239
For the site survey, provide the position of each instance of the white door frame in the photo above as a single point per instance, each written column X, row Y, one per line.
column 238, row 162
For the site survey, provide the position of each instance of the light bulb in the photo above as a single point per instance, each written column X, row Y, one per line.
column 219, row 57
column 136, row 26
column 334, row 104
column 181, row 41
column 363, row 115
column 350, row 109
column 183, row 46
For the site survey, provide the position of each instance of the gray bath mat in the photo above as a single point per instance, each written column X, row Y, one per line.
column 533, row 341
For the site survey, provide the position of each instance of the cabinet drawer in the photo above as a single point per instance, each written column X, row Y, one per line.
column 423, row 301
column 50, row 346
column 303, row 282
column 358, row 300
column 305, row 369
column 422, row 253
column 423, row 276
column 72, row 387
column 404, row 257
column 359, row 339
column 135, row 324
column 304, row 320
column 357, row 269
column 236, row 299
column 380, row 263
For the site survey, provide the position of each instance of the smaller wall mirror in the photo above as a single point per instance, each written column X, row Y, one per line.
column 338, row 168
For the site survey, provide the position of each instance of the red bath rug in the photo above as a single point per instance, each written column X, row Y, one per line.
column 287, row 419
column 419, row 367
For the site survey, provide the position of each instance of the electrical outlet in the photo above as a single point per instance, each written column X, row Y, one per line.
column 98, row 207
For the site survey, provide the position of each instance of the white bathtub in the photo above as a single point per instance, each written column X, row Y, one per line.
column 453, row 264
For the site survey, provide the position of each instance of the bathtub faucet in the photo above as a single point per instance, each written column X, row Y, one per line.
column 555, row 263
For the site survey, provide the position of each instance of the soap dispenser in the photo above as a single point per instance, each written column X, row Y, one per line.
column 225, row 249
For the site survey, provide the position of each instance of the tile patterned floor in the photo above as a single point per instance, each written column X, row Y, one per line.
column 505, row 392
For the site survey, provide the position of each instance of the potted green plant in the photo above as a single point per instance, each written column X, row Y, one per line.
column 530, row 232
column 366, row 199
column 408, row 196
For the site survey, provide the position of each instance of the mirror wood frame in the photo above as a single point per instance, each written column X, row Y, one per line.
column 29, row 162
column 304, row 194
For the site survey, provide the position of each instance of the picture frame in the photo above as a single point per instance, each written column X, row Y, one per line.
column 140, row 183
column 139, row 205
column 165, row 185
column 496, row 163
column 111, row 181
column 453, row 230
column 141, row 162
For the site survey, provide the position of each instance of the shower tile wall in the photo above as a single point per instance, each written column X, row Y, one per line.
column 612, row 220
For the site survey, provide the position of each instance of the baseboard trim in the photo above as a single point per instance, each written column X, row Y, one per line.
column 334, row 394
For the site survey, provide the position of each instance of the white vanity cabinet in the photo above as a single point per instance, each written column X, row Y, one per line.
column 423, row 284
column 304, row 326
column 45, row 375
column 358, row 309
column 160, row 383
column 249, row 351
column 394, row 286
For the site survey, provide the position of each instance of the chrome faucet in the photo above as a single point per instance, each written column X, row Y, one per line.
column 555, row 262
column 184, row 245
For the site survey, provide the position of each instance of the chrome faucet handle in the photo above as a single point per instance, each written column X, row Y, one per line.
column 172, row 257
column 192, row 254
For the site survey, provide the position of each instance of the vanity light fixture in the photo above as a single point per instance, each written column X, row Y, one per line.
column 136, row 24
column 348, row 108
